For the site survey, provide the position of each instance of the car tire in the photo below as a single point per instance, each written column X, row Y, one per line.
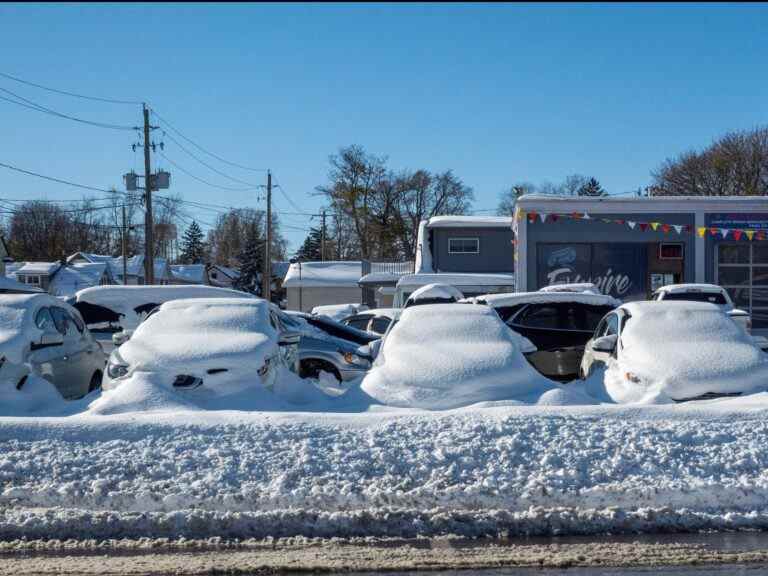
column 95, row 383
column 311, row 368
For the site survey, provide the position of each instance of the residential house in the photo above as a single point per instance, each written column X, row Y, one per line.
column 134, row 267
column 310, row 284
column 188, row 274
column 221, row 276
column 63, row 279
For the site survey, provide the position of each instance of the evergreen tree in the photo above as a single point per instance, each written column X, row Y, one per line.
column 251, row 260
column 311, row 248
column 591, row 188
column 192, row 245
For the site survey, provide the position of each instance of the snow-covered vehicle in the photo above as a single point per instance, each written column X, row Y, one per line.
column 447, row 355
column 329, row 346
column 705, row 293
column 338, row 311
column 672, row 351
column 468, row 284
column 44, row 336
column 573, row 287
column 375, row 321
column 223, row 344
column 558, row 323
column 434, row 294
column 109, row 311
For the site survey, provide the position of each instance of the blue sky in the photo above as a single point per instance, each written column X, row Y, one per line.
column 498, row 93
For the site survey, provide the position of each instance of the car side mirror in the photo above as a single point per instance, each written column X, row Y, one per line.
column 364, row 352
column 605, row 343
column 120, row 338
column 289, row 339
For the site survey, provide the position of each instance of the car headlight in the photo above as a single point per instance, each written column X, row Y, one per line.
column 116, row 370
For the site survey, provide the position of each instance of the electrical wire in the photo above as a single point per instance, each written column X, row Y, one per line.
column 285, row 195
column 52, row 179
column 73, row 94
column 211, row 154
column 39, row 108
column 188, row 173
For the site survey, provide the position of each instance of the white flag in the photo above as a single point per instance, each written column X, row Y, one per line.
column 543, row 217
column 631, row 224
column 724, row 232
column 678, row 228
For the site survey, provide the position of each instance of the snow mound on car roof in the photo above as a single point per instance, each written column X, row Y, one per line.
column 432, row 292
column 443, row 356
column 686, row 349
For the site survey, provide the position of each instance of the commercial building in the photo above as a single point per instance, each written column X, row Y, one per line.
column 631, row 246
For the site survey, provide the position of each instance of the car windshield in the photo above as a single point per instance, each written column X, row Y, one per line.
column 713, row 297
column 340, row 331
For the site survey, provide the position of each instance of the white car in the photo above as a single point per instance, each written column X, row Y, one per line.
column 375, row 321
column 439, row 356
column 224, row 344
column 705, row 293
column 671, row 351
column 47, row 337
column 434, row 294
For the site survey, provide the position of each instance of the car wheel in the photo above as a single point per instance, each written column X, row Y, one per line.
column 311, row 369
column 95, row 381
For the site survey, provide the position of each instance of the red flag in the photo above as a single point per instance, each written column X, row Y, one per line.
column 619, row 221
column 761, row 235
column 737, row 234
column 531, row 217
column 576, row 215
column 714, row 231
column 665, row 228
column 643, row 226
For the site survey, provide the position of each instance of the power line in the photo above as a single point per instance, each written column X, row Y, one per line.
column 204, row 163
column 188, row 173
column 39, row 108
column 73, row 94
column 219, row 158
column 52, row 179
column 285, row 195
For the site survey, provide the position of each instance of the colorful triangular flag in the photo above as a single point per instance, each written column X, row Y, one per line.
column 586, row 216
column 554, row 217
column 701, row 232
column 631, row 224
column 665, row 228
column 654, row 225
column 543, row 217
column 737, row 234
column 724, row 232
column 643, row 226
column 714, row 231
column 678, row 228
column 749, row 233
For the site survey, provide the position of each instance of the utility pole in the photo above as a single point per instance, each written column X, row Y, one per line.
column 149, row 240
column 322, row 237
column 267, row 275
column 125, row 248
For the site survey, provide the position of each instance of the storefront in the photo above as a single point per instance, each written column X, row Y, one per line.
column 630, row 246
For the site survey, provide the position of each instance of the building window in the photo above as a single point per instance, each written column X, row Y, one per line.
column 742, row 269
column 670, row 251
column 32, row 280
column 463, row 245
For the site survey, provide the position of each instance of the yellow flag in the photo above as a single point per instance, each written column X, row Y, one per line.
column 702, row 231
column 520, row 215
column 654, row 225
column 749, row 233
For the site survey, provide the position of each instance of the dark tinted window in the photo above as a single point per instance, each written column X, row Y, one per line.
column 359, row 322
column 43, row 319
column 565, row 316
column 340, row 331
column 696, row 297
column 78, row 323
column 380, row 324
column 61, row 320
column 506, row 312
column 611, row 325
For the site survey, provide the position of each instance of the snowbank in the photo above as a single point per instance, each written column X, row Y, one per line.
column 447, row 355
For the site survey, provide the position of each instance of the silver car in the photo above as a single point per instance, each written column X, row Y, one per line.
column 329, row 346
column 50, row 337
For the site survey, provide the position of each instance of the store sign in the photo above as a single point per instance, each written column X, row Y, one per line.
column 616, row 269
column 740, row 221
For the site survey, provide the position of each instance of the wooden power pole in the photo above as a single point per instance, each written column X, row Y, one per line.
column 149, row 240
column 267, row 275
column 125, row 248
column 322, row 237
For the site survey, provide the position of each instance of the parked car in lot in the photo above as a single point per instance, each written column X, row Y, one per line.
column 330, row 346
column 338, row 311
column 705, row 293
column 113, row 312
column 219, row 343
column 374, row 321
column 434, row 294
column 673, row 351
column 558, row 323
column 45, row 334
column 440, row 356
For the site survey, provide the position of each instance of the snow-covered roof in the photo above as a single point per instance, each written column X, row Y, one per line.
column 376, row 278
column 515, row 298
column 433, row 293
column 470, row 222
column 90, row 257
column 682, row 288
column 280, row 269
column 39, row 268
column 457, row 279
column 324, row 274
column 575, row 287
column 232, row 273
column 78, row 276
column 12, row 267
column 193, row 273
column 9, row 285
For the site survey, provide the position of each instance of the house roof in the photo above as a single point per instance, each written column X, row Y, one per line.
column 9, row 285
column 323, row 274
column 470, row 222
column 193, row 273
column 73, row 277
column 39, row 268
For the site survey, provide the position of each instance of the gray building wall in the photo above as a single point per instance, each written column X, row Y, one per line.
column 567, row 230
column 304, row 299
column 496, row 254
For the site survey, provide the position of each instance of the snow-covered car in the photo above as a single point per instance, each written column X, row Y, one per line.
column 375, row 321
column 109, row 311
column 434, row 294
column 574, row 287
column 47, row 337
column 558, row 323
column 224, row 344
column 338, row 311
column 330, row 346
column 447, row 355
column 705, row 293
column 672, row 351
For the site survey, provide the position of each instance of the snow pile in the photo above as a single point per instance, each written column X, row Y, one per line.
column 338, row 311
column 447, row 355
column 126, row 299
column 432, row 294
column 37, row 397
column 678, row 349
